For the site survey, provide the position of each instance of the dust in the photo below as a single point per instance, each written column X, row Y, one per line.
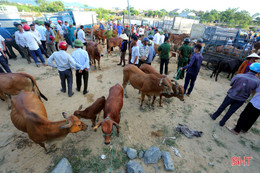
column 22, row 142
column 158, row 133
column 90, row 97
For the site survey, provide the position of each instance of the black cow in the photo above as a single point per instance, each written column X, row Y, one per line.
column 229, row 66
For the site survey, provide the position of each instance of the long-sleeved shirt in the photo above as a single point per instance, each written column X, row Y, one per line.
column 81, row 36
column 120, row 29
column 63, row 61
column 157, row 38
column 42, row 30
column 6, row 34
column 81, row 57
column 162, row 37
column 256, row 99
column 64, row 29
column 59, row 29
column 1, row 40
column 101, row 27
column 195, row 64
column 151, row 54
column 164, row 49
column 144, row 51
column 37, row 34
column 48, row 34
column 32, row 42
column 19, row 38
column 242, row 86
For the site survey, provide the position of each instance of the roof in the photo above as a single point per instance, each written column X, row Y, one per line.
column 187, row 14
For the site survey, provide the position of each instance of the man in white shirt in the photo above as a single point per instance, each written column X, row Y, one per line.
column 81, row 57
column 59, row 30
column 64, row 62
column 156, row 37
column 81, row 36
column 135, row 52
column 33, row 43
column 42, row 30
column 162, row 37
column 3, row 56
column 134, row 30
column 20, row 41
column 38, row 35
column 141, row 31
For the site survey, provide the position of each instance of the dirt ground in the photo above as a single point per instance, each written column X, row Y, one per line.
column 83, row 149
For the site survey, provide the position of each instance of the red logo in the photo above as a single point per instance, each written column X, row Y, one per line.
column 238, row 161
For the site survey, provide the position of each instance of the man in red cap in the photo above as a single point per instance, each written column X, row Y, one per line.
column 64, row 62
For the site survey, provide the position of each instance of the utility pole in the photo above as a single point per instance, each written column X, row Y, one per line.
column 130, row 27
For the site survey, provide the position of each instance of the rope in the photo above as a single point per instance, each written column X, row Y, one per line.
column 111, row 160
column 177, row 74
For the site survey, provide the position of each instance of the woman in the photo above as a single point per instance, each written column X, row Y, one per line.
column 71, row 34
column 244, row 67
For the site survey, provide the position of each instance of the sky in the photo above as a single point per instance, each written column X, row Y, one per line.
column 169, row 5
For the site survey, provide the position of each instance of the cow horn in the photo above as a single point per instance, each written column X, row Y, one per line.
column 66, row 126
column 64, row 114
column 80, row 107
column 161, row 80
column 97, row 126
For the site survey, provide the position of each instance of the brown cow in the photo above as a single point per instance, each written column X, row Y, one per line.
column 178, row 90
column 92, row 111
column 178, row 39
column 13, row 83
column 95, row 52
column 29, row 115
column 148, row 84
column 113, row 106
column 113, row 42
column 99, row 35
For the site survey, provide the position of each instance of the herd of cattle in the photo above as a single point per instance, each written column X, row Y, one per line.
column 29, row 115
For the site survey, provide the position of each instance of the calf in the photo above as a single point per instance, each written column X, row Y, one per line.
column 230, row 66
column 92, row 111
column 178, row 90
column 113, row 42
column 13, row 83
column 29, row 115
column 95, row 52
column 113, row 106
column 148, row 84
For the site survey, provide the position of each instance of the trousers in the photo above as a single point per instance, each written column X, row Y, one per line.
column 79, row 76
column 234, row 106
column 247, row 118
column 189, row 79
column 4, row 63
column 162, row 63
column 10, row 45
column 38, row 53
column 66, row 75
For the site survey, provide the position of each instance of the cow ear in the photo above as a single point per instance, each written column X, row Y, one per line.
column 117, row 125
column 97, row 126
column 66, row 126
column 64, row 114
column 80, row 107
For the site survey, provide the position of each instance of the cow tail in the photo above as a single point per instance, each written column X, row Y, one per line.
column 35, row 84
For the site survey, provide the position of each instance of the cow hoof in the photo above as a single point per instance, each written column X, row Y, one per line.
column 95, row 130
column 152, row 107
column 99, row 68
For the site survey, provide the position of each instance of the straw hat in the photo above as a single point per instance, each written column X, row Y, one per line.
column 78, row 43
column 124, row 36
column 253, row 55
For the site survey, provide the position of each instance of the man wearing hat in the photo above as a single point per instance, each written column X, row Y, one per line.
column 42, row 30
column 144, row 51
column 151, row 53
column 242, row 85
column 127, row 31
column 164, row 50
column 24, row 22
column 38, row 35
column 50, row 39
column 123, row 49
column 244, row 67
column 81, row 57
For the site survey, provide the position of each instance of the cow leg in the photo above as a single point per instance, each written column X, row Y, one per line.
column 99, row 64
column 160, row 102
column 95, row 67
column 149, row 101
column 42, row 145
column 125, row 81
column 153, row 101
column 5, row 98
column 93, row 121
column 228, row 75
column 142, row 99
column 219, row 70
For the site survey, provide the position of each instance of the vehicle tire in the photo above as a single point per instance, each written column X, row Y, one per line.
column 212, row 64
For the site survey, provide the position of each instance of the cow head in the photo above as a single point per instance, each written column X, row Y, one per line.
column 78, row 112
column 166, row 85
column 74, row 124
column 107, row 128
column 178, row 90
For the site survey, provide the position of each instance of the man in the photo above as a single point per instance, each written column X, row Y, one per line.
column 156, row 37
column 3, row 48
column 38, row 35
column 184, row 52
column 59, row 36
column 50, row 39
column 10, row 42
column 151, row 39
column 135, row 52
column 162, row 37
column 135, row 29
column 151, row 53
column 4, row 62
column 20, row 40
column 81, row 57
column 123, row 49
column 71, row 35
column 244, row 67
column 81, row 36
column 114, row 26
column 143, row 51
column 24, row 22
column 164, row 50
column 32, row 42
column 242, row 86
column 42, row 30
column 193, row 69
column 119, row 29
column 252, row 111
column 141, row 31
column 64, row 62
column 65, row 31
column 230, row 41
column 109, row 26
column 101, row 26
column 127, row 31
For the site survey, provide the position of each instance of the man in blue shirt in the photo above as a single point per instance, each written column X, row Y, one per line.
column 242, row 85
column 151, row 53
column 101, row 26
column 120, row 29
column 193, row 69
column 10, row 42
column 81, row 57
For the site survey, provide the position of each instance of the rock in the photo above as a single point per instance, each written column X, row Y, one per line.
column 141, row 154
column 63, row 167
column 131, row 153
column 125, row 149
column 152, row 155
column 6, row 138
column 167, row 160
column 134, row 167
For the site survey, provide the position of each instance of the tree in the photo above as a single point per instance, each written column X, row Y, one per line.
column 55, row 6
column 42, row 4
